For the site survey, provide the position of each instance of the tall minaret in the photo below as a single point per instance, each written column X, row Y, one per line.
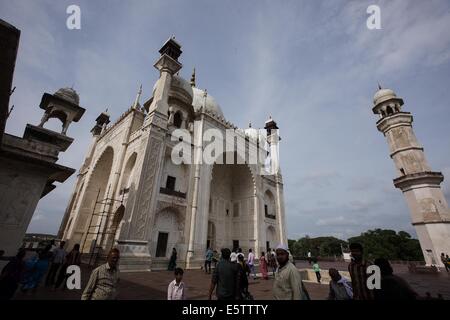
column 273, row 140
column 420, row 185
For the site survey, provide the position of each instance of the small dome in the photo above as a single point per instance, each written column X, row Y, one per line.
column 252, row 133
column 210, row 105
column 383, row 95
column 68, row 94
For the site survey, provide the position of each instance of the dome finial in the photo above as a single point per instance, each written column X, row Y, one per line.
column 379, row 86
column 193, row 78
column 250, row 124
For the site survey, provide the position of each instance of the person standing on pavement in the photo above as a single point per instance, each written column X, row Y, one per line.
column 358, row 272
column 208, row 259
column 251, row 263
column 102, row 284
column 177, row 289
column 73, row 258
column 225, row 278
column 288, row 282
column 316, row 270
column 340, row 288
column 59, row 255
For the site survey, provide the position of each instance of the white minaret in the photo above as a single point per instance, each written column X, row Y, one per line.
column 420, row 185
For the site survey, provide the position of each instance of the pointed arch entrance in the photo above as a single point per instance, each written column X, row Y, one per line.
column 96, row 190
column 232, row 210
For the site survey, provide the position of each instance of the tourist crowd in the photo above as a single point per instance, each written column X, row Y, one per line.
column 230, row 272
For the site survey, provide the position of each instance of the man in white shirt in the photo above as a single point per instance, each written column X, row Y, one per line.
column 251, row 263
column 233, row 256
column 177, row 289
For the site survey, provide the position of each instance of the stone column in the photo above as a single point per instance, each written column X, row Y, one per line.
column 198, row 159
column 280, row 210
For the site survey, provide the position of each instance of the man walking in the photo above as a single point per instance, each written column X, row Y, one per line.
column 288, row 282
column 59, row 255
column 208, row 259
column 358, row 273
column 251, row 263
column 316, row 270
column 103, row 281
column 226, row 278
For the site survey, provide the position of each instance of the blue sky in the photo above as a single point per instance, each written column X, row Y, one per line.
column 313, row 65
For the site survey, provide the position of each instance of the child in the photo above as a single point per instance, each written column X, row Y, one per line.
column 316, row 269
column 177, row 290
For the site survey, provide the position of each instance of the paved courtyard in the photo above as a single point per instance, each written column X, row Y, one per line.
column 153, row 285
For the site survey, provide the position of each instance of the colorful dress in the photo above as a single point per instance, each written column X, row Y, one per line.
column 36, row 269
column 263, row 267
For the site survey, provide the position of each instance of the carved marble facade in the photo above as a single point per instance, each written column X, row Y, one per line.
column 186, row 206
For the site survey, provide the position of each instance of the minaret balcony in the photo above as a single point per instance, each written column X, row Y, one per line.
column 427, row 177
column 393, row 120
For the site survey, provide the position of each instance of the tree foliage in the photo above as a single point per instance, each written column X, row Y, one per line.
column 389, row 244
column 377, row 243
column 320, row 246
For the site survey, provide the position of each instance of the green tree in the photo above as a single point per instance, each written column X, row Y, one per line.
column 389, row 244
column 319, row 247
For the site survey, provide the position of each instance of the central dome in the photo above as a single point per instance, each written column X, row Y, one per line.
column 210, row 104
column 68, row 94
column 198, row 99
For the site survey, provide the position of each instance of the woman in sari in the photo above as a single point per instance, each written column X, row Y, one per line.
column 173, row 260
column 263, row 266
column 36, row 270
